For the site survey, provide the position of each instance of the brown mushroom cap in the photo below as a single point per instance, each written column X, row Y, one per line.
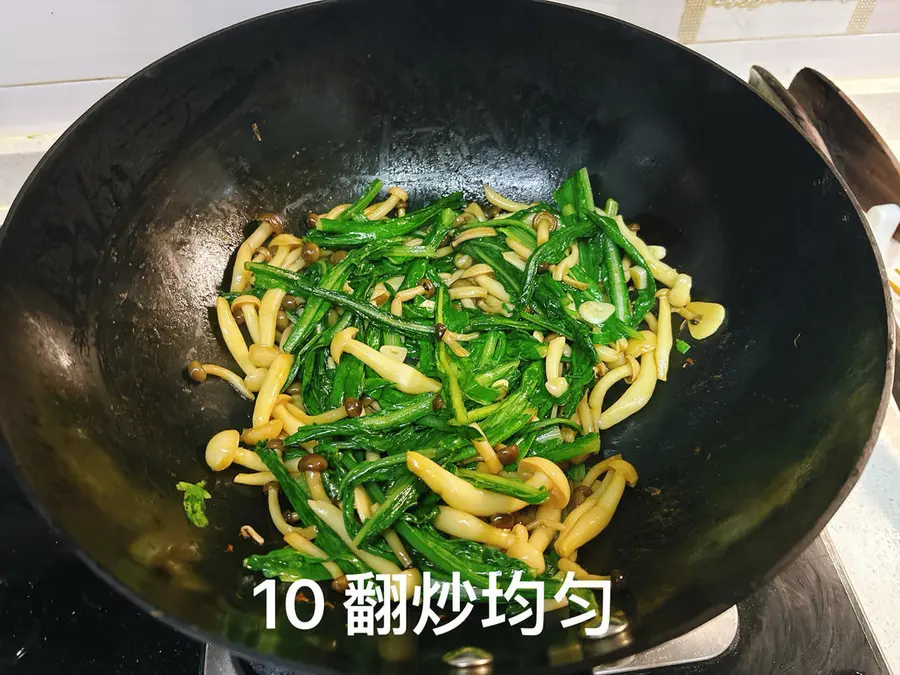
column 558, row 483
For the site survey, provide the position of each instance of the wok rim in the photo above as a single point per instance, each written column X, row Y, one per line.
column 635, row 646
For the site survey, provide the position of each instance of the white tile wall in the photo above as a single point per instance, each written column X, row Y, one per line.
column 58, row 57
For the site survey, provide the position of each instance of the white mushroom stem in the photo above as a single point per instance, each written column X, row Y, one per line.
column 223, row 449
column 458, row 493
column 259, row 478
column 474, row 233
column 255, row 379
column 520, row 249
column 335, row 520
column 663, row 338
column 477, row 270
column 502, row 202
column 326, row 417
column 635, row 397
column 404, row 296
column 464, row 525
column 486, row 451
column 467, row 292
column 598, row 470
column 240, row 277
column 231, row 334
column 271, row 388
column 335, row 212
column 542, row 536
column 660, row 271
column 646, row 343
column 248, row 306
column 406, row 378
column 268, row 316
column 514, row 259
column 562, row 268
column 555, row 384
column 599, row 391
column 543, row 223
column 475, row 209
column 651, row 321
column 300, row 543
column 680, row 294
column 230, row 377
column 314, row 485
column 568, row 565
column 378, row 211
column 531, row 552
column 266, row 432
column 574, row 283
column 596, row 517
column 290, row 423
column 584, row 416
column 454, row 346
column 493, row 287
column 262, row 357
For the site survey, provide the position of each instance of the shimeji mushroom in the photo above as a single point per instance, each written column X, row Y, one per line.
column 406, row 378
column 287, row 249
column 486, row 451
column 556, row 384
column 598, row 393
column 306, row 547
column 255, row 378
column 592, row 517
column 240, row 277
column 262, row 357
column 543, row 223
column 464, row 525
column 540, row 472
column 248, row 305
column 459, row 493
column 680, row 293
column 266, row 432
column 231, row 334
column 396, row 196
column 502, row 202
column 531, row 552
column 224, row 449
column 663, row 337
column 268, row 315
column 198, row 372
column 704, row 318
column 473, row 233
column 334, row 519
column 635, row 397
column 270, row 390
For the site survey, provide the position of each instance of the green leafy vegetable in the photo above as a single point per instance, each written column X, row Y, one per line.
column 195, row 496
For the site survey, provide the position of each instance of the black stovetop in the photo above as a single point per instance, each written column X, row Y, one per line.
column 56, row 615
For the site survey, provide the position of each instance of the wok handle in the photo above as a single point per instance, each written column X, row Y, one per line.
column 866, row 150
column 768, row 86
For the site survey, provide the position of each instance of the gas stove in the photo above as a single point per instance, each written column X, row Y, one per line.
column 55, row 613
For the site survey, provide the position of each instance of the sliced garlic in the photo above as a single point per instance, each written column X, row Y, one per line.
column 595, row 312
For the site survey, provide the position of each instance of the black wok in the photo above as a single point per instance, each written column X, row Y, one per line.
column 116, row 247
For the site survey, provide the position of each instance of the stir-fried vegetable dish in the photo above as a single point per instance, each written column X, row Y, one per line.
column 430, row 386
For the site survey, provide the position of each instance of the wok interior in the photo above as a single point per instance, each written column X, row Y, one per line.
column 113, row 257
